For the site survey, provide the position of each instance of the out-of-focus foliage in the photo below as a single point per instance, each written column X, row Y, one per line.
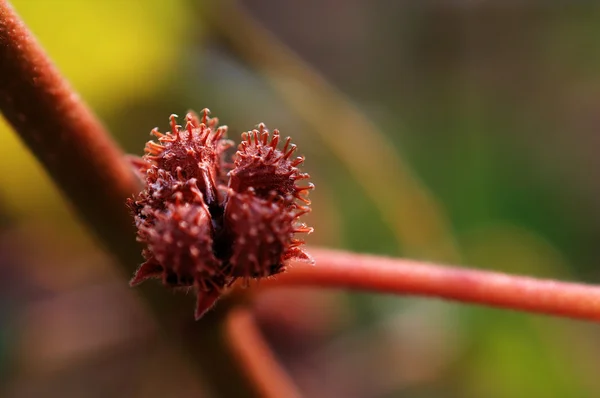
column 492, row 106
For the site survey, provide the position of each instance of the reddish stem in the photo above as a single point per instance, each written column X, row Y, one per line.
column 406, row 277
column 255, row 356
column 65, row 136
column 92, row 172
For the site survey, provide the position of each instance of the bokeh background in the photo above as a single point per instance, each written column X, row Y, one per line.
column 457, row 131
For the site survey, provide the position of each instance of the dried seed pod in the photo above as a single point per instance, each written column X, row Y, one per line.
column 162, row 188
column 179, row 247
column 195, row 151
column 179, row 251
column 200, row 234
column 262, row 234
column 260, row 165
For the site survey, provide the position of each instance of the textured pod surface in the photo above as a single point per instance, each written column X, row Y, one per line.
column 193, row 152
column 180, row 241
column 262, row 234
column 262, row 166
column 207, row 221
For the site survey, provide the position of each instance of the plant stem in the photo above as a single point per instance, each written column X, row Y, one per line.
column 336, row 269
column 93, row 174
column 254, row 354
column 65, row 136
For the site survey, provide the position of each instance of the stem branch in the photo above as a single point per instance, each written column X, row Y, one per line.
column 256, row 357
column 406, row 277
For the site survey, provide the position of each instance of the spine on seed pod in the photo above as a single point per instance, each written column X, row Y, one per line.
column 207, row 222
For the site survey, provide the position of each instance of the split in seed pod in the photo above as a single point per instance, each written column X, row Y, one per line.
column 203, row 235
column 197, row 151
column 179, row 252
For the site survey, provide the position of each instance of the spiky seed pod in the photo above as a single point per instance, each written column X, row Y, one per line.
column 162, row 188
column 261, row 165
column 195, row 151
column 262, row 232
column 180, row 241
column 203, row 235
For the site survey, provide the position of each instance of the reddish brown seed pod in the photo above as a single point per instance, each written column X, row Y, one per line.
column 195, row 151
column 262, row 232
column 179, row 247
column 179, row 251
column 207, row 222
column 261, row 165
column 161, row 189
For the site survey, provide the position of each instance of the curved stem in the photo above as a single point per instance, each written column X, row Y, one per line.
column 345, row 270
column 256, row 357
column 65, row 136
column 93, row 174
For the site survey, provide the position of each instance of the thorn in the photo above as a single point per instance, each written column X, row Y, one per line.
column 205, row 113
column 192, row 117
column 298, row 160
column 147, row 270
column 299, row 255
column 287, row 143
column 220, row 133
column 291, row 150
column 262, row 128
column 213, row 122
column 302, row 211
column 204, row 133
column 302, row 176
column 309, row 187
column 275, row 139
column 304, row 230
column 189, row 127
column 154, row 148
column 269, row 153
column 173, row 119
column 303, row 200
column 205, row 301
column 156, row 133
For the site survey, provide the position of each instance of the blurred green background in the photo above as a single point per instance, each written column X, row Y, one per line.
column 457, row 131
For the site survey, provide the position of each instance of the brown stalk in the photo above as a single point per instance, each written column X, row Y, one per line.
column 65, row 136
column 337, row 269
column 90, row 170
column 253, row 353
